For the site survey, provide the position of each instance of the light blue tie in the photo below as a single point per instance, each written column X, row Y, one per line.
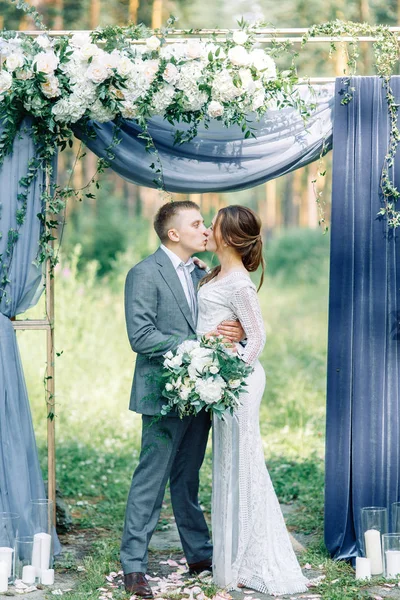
column 187, row 269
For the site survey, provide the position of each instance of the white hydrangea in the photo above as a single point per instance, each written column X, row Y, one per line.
column 101, row 113
column 51, row 88
column 211, row 47
column 14, row 61
column 215, row 109
column 240, row 37
column 177, row 51
column 80, row 39
column 263, row 62
column 67, row 111
column 44, row 41
column 210, row 390
column 223, row 88
column 171, row 74
column 85, row 92
column 248, row 83
column 5, row 81
column 195, row 100
column 153, row 43
column 46, row 62
column 35, row 105
column 258, row 100
column 97, row 71
column 162, row 99
column 239, row 56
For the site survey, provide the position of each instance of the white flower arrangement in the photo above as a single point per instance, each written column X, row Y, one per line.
column 72, row 77
column 203, row 374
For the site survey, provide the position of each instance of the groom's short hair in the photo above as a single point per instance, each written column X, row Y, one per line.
column 162, row 220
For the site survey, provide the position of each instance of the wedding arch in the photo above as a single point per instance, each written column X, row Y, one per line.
column 207, row 110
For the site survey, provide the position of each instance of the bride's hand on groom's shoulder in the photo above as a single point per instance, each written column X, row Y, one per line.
column 201, row 264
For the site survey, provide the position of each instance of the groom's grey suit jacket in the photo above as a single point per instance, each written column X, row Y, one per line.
column 158, row 318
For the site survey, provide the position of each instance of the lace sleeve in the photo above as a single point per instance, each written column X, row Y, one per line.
column 246, row 307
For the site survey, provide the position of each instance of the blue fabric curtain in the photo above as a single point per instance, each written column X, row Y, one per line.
column 363, row 395
column 20, row 475
column 219, row 159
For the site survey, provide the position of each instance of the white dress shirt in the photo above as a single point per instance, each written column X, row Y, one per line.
column 176, row 261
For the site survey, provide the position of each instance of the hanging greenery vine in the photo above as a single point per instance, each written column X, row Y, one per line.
column 130, row 72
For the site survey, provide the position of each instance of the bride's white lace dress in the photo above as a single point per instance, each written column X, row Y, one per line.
column 250, row 540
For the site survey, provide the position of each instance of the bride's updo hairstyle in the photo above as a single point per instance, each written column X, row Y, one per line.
column 240, row 228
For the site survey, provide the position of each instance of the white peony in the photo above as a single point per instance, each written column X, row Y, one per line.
column 187, row 346
column 175, row 361
column 210, row 390
column 97, row 71
column 215, row 109
column 24, row 74
column 44, row 42
column 89, row 50
column 263, row 62
column 14, row 61
column 248, row 83
column 5, row 81
column 240, row 37
column 171, row 74
column 46, row 62
column 195, row 49
column 80, row 39
column 51, row 88
column 153, row 43
column 124, row 66
column 239, row 56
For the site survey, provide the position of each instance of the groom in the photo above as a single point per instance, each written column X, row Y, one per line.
column 161, row 312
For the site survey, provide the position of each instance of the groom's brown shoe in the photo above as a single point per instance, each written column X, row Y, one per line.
column 199, row 567
column 137, row 584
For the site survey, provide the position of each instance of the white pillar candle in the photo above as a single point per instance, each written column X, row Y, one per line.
column 6, row 557
column 28, row 574
column 36, row 553
column 363, row 568
column 47, row 576
column 373, row 550
column 3, row 577
column 41, row 551
column 392, row 563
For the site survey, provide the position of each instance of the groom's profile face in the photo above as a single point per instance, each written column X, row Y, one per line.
column 188, row 230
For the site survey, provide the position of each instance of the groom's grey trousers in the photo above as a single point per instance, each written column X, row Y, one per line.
column 171, row 448
column 158, row 318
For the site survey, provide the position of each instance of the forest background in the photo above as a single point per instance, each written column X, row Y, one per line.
column 98, row 439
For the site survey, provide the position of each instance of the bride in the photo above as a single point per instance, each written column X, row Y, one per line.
column 251, row 544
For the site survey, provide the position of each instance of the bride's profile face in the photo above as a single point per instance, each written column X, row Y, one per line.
column 211, row 243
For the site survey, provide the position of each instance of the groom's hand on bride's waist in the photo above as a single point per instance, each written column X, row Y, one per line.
column 232, row 330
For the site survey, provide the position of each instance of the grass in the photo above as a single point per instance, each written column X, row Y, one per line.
column 98, row 438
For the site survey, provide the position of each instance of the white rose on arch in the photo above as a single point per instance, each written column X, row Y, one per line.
column 171, row 74
column 80, row 39
column 97, row 72
column 46, row 62
column 153, row 43
column 5, row 81
column 240, row 37
column 14, row 61
column 51, row 88
column 239, row 56
column 195, row 49
column 215, row 109
column 24, row 74
column 44, row 42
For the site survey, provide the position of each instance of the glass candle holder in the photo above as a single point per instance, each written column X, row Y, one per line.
column 374, row 523
column 395, row 517
column 9, row 523
column 23, row 568
column 42, row 525
column 391, row 554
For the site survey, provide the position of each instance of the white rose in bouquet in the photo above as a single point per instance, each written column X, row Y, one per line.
column 5, row 81
column 186, row 347
column 239, row 56
column 175, row 361
column 234, row 383
column 153, row 43
column 46, row 62
column 171, row 74
column 240, row 37
column 201, row 358
column 14, row 61
column 97, row 71
column 263, row 62
column 184, row 392
column 210, row 390
column 215, row 109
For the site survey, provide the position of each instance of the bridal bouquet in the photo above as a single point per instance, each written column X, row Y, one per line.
column 203, row 374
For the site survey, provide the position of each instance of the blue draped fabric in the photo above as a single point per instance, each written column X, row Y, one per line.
column 363, row 388
column 219, row 159
column 20, row 474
